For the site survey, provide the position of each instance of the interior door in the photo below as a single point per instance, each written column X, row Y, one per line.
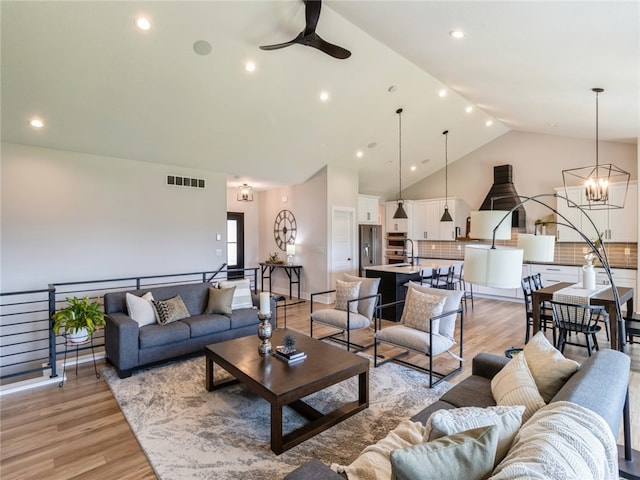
column 342, row 243
column 235, row 244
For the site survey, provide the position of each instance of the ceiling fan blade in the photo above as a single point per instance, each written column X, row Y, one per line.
column 282, row 45
column 314, row 40
column 309, row 37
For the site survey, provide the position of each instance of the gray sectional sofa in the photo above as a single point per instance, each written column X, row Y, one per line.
column 129, row 345
column 600, row 385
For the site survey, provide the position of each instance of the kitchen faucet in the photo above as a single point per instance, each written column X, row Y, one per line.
column 405, row 249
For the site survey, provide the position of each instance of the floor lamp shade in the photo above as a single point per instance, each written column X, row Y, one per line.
column 484, row 222
column 537, row 248
column 498, row 267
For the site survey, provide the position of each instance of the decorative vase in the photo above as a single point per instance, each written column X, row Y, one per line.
column 264, row 333
column 588, row 277
column 78, row 336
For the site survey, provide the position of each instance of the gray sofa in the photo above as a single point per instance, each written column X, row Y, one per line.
column 129, row 346
column 600, row 385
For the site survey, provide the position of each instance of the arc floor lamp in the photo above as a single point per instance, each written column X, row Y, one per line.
column 502, row 267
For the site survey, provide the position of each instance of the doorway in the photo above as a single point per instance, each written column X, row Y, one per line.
column 342, row 242
column 235, row 244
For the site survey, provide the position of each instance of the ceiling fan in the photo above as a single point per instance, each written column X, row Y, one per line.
column 309, row 37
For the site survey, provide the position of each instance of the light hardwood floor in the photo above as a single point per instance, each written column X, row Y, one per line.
column 78, row 432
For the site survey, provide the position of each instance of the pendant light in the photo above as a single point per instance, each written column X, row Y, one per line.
column 400, row 211
column 245, row 193
column 596, row 180
column 446, row 216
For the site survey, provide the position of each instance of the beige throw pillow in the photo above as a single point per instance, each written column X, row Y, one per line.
column 419, row 308
column 220, row 301
column 514, row 385
column 346, row 291
column 549, row 368
column 242, row 294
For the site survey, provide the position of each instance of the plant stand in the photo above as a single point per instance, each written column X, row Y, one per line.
column 70, row 345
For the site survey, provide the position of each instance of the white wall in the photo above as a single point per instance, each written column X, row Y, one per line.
column 69, row 216
column 538, row 161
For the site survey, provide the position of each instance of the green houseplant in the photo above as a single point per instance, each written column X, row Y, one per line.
column 79, row 319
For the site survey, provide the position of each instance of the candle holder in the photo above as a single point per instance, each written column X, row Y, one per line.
column 264, row 333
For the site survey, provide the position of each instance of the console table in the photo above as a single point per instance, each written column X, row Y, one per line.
column 292, row 271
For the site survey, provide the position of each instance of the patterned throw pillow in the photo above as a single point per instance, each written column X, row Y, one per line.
column 419, row 308
column 170, row 310
column 347, row 291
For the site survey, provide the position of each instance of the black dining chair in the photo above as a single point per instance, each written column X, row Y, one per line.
column 546, row 315
column 581, row 319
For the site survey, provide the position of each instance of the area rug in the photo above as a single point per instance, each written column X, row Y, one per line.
column 189, row 433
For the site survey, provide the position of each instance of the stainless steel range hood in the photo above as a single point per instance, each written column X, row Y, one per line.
column 503, row 187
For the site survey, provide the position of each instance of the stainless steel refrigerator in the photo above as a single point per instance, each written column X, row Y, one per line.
column 370, row 246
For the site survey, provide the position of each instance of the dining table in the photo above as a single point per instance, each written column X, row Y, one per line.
column 604, row 298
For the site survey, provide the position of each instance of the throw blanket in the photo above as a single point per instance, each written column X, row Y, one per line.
column 561, row 441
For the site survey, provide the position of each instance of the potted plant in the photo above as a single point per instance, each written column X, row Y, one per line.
column 79, row 319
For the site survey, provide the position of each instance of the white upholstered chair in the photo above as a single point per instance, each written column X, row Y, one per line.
column 431, row 334
column 358, row 313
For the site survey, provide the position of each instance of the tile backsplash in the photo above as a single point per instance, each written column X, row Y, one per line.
column 621, row 255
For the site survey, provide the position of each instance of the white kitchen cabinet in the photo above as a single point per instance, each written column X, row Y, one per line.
column 399, row 224
column 552, row 274
column 615, row 225
column 368, row 209
column 427, row 214
column 622, row 276
column 426, row 220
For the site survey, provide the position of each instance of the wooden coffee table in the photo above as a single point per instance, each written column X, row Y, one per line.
column 282, row 384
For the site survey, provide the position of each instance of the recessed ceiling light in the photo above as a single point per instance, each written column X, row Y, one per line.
column 392, row 89
column 426, row 160
column 359, row 154
column 442, row 93
column 202, row 47
column 552, row 125
column 143, row 23
column 324, row 96
column 250, row 66
column 457, row 34
column 468, row 109
column 488, row 123
column 36, row 123
column 413, row 168
column 372, row 145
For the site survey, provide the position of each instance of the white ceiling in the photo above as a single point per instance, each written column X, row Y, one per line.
column 104, row 87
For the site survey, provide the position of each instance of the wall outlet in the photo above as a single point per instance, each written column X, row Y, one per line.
column 218, row 237
column 459, row 247
column 218, row 252
column 433, row 247
column 585, row 250
column 627, row 251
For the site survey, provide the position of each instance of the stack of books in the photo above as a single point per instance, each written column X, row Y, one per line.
column 289, row 357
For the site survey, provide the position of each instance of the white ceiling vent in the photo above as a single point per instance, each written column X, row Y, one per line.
column 178, row 181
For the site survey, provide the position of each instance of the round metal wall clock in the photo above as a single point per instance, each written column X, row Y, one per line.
column 284, row 229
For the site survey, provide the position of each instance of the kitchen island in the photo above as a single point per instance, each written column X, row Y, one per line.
column 392, row 285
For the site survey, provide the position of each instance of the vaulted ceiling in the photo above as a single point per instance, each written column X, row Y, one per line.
column 105, row 87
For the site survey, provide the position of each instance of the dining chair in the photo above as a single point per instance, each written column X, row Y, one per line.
column 460, row 284
column 581, row 319
column 546, row 315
